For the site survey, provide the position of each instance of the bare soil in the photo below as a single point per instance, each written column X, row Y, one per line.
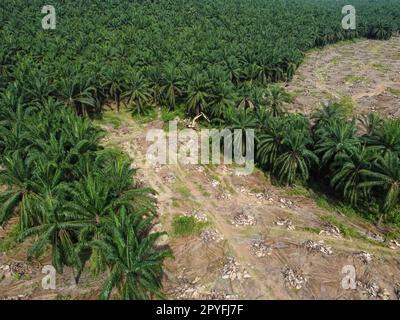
column 368, row 71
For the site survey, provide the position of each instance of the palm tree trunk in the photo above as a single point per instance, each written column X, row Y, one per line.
column 78, row 276
column 118, row 100
column 380, row 219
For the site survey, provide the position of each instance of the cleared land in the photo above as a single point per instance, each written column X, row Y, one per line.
column 366, row 72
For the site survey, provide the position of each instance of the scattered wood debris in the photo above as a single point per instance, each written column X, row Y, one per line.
column 214, row 183
column 187, row 289
column 394, row 245
column 286, row 203
column 242, row 219
column 364, row 256
column 287, row 223
column 260, row 249
column 18, row 297
column 261, row 196
column 20, row 268
column 198, row 215
column 169, row 179
column 5, row 271
column 374, row 236
column 294, row 278
column 217, row 295
column 331, row 231
column 223, row 196
column 210, row 235
column 233, row 271
column 224, row 169
column 372, row 290
column 199, row 168
column 314, row 247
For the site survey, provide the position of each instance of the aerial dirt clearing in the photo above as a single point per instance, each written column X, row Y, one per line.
column 365, row 73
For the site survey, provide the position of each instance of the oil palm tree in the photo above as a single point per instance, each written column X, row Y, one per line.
column 371, row 123
column 269, row 142
column 385, row 137
column 347, row 172
column 135, row 264
column 112, row 79
column 172, row 85
column 78, row 93
column 327, row 113
column 295, row 159
column 198, row 93
column 55, row 230
column 335, row 139
column 221, row 100
column 385, row 176
column 17, row 173
column 275, row 97
column 138, row 93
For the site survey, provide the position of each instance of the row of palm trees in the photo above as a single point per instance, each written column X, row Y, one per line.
column 209, row 91
column 360, row 159
column 171, row 52
column 76, row 199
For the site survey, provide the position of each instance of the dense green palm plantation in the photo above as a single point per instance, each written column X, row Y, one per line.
column 77, row 93
column 361, row 165
column 66, row 191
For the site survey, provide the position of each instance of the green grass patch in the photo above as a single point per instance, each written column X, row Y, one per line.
column 379, row 67
column 354, row 79
column 150, row 115
column 202, row 189
column 112, row 118
column 394, row 234
column 176, row 203
column 187, row 226
column 257, row 189
column 323, row 203
column 297, row 190
column 170, row 115
column 312, row 229
column 348, row 105
column 182, row 189
column 335, row 60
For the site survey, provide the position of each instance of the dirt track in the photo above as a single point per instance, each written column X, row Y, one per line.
column 218, row 193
